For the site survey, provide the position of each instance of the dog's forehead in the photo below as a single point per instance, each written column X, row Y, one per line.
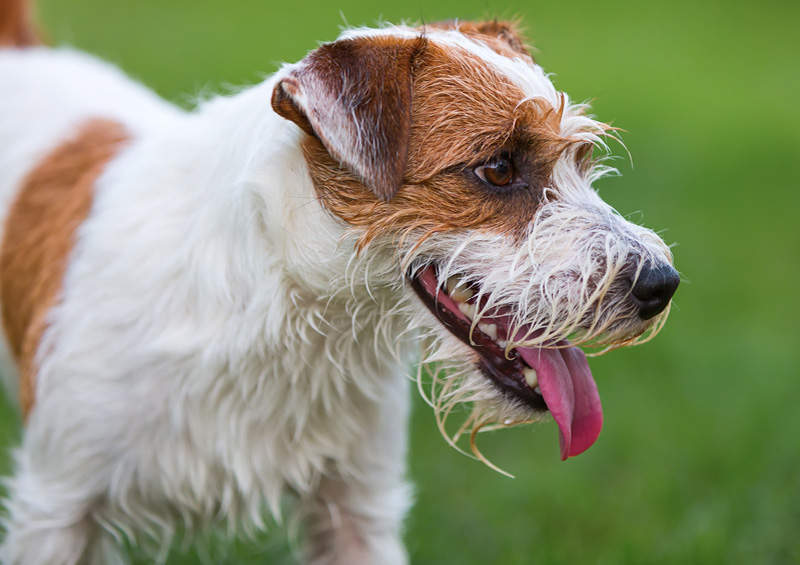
column 515, row 67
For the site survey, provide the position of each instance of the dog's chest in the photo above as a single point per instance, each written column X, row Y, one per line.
column 286, row 413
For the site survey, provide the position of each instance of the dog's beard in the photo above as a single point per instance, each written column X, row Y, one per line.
column 467, row 396
column 464, row 402
column 565, row 284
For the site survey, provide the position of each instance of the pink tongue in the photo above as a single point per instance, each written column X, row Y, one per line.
column 570, row 394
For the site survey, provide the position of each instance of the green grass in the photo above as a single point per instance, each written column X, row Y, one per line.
column 699, row 458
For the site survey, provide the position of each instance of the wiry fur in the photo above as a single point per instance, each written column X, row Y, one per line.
column 223, row 339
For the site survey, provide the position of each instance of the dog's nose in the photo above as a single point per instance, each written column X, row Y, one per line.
column 654, row 288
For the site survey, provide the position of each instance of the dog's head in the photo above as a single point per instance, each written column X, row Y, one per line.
column 448, row 151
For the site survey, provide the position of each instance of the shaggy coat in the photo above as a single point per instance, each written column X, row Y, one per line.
column 210, row 312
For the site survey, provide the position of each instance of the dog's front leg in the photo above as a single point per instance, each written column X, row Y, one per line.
column 355, row 516
column 52, row 499
column 353, row 525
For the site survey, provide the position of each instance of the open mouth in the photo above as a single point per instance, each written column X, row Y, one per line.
column 555, row 378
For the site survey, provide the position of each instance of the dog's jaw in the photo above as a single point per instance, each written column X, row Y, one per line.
column 555, row 378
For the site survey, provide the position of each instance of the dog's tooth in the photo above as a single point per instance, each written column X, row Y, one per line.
column 462, row 294
column 456, row 292
column 537, row 390
column 489, row 329
column 467, row 309
column 531, row 378
column 450, row 284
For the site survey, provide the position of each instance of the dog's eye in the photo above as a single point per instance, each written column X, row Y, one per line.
column 499, row 171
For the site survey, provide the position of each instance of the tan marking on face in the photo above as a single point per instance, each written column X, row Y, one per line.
column 463, row 113
column 53, row 201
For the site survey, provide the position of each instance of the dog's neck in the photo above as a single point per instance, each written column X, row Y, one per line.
column 254, row 187
column 257, row 283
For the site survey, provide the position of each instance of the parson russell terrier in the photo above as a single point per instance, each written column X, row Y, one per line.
column 209, row 311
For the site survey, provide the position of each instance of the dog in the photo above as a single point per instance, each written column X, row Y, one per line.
column 207, row 312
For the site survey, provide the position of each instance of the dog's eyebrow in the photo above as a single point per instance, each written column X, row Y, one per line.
column 456, row 127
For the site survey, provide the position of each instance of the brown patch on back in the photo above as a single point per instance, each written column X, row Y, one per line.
column 16, row 28
column 463, row 113
column 52, row 202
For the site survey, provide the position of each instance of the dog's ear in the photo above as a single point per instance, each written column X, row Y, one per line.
column 354, row 95
column 507, row 32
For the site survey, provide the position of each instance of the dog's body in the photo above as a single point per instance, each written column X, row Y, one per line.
column 222, row 311
column 224, row 327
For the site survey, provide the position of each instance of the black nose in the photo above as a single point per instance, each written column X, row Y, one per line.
column 654, row 288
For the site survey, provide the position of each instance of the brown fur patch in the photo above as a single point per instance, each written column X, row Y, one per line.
column 463, row 113
column 53, row 201
column 16, row 28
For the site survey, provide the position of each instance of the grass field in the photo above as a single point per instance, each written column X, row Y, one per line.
column 699, row 460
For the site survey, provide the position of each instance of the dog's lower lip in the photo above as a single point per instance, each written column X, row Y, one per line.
column 564, row 385
column 507, row 372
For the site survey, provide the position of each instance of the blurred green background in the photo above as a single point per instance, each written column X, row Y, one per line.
column 699, row 460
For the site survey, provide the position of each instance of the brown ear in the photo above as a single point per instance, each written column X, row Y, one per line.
column 354, row 95
column 502, row 32
column 508, row 31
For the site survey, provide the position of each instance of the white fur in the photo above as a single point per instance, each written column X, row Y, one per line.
column 218, row 344
column 197, row 368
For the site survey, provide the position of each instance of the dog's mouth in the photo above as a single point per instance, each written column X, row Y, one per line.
column 555, row 378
